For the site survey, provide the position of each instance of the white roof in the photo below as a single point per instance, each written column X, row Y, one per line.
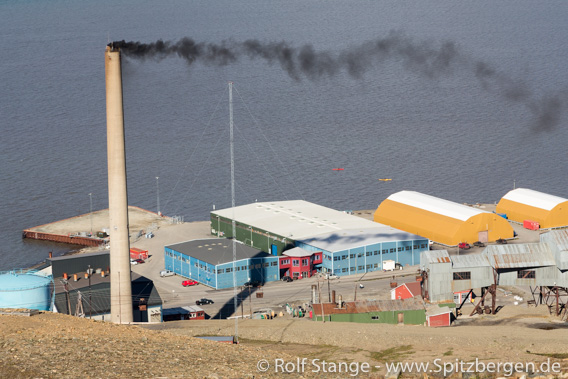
column 534, row 198
column 353, row 238
column 295, row 219
column 435, row 205
column 297, row 252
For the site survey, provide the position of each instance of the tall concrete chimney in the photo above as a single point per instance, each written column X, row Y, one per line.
column 120, row 282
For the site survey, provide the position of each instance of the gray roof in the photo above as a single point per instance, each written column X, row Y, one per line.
column 181, row 310
column 99, row 293
column 471, row 260
column 353, row 238
column 558, row 237
column 298, row 252
column 520, row 255
column 435, row 311
column 435, row 256
column 295, row 219
column 217, row 250
column 79, row 256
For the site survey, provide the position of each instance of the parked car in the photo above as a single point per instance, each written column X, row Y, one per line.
column 478, row 244
column 502, row 241
column 287, row 279
column 204, row 301
column 252, row 283
column 164, row 273
column 464, row 245
column 133, row 262
column 331, row 276
column 139, row 261
column 189, row 283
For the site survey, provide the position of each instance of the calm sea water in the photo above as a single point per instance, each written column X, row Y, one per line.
column 450, row 135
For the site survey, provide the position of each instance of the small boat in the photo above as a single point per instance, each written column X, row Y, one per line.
column 338, row 169
column 385, row 180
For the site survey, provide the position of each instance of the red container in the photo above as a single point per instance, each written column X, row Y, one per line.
column 136, row 253
column 531, row 225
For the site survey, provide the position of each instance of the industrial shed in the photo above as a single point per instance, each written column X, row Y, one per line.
column 94, row 301
column 531, row 264
column 357, row 251
column 348, row 244
column 408, row 311
column 210, row 262
column 438, row 283
column 440, row 220
column 274, row 226
column 558, row 242
column 471, row 271
column 72, row 264
column 528, row 264
column 525, row 204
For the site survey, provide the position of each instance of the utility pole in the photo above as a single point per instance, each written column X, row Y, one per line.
column 250, row 304
column 65, row 286
column 90, row 292
column 242, row 306
column 321, row 302
column 328, row 291
column 356, row 285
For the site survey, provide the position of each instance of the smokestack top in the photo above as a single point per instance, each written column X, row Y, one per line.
column 113, row 47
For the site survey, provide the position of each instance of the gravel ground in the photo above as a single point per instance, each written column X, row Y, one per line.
column 51, row 345
column 59, row 346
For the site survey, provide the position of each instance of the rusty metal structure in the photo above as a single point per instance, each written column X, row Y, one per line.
column 542, row 266
column 553, row 297
column 480, row 307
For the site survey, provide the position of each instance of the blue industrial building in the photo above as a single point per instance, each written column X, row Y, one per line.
column 356, row 251
column 210, row 262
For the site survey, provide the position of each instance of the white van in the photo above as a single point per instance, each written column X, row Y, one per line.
column 166, row 273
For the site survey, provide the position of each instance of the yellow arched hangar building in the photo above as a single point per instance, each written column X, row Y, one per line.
column 524, row 204
column 440, row 220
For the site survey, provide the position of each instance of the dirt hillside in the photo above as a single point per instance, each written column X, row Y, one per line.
column 59, row 346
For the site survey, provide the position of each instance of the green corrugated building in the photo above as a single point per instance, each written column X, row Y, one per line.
column 405, row 311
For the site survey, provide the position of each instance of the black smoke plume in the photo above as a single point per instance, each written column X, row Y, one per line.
column 421, row 57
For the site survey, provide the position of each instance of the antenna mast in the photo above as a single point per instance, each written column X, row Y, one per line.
column 234, row 234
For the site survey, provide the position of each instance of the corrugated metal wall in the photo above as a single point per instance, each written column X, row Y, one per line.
column 440, row 277
column 255, row 237
column 79, row 263
column 480, row 277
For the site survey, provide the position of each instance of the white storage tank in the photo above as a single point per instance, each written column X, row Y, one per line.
column 27, row 289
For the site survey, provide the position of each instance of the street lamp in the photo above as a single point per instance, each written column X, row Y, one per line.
column 91, row 211
column 158, row 193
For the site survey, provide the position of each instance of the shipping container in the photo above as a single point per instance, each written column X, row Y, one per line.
column 531, row 225
column 136, row 253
